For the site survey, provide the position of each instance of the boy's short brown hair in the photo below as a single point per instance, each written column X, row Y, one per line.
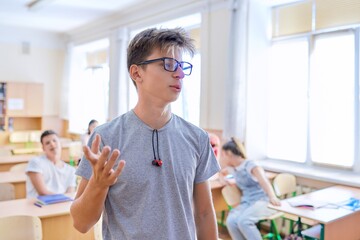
column 145, row 42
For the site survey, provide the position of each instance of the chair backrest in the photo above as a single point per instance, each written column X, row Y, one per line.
column 231, row 195
column 20, row 167
column 5, row 152
column 20, row 227
column 284, row 184
column 7, row 192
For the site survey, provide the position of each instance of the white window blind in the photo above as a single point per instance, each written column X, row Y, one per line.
column 334, row 13
column 292, row 19
column 313, row 15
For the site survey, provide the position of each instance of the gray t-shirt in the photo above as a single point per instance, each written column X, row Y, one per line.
column 150, row 202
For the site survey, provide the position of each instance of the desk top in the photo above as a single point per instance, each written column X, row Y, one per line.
column 328, row 213
column 27, row 207
column 12, row 177
column 16, row 158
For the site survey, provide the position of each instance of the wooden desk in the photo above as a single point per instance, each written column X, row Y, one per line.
column 218, row 200
column 6, row 162
column 337, row 223
column 18, row 180
column 55, row 219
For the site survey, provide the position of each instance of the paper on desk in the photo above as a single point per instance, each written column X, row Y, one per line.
column 307, row 203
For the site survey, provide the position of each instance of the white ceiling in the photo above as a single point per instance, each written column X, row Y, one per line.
column 59, row 15
column 67, row 15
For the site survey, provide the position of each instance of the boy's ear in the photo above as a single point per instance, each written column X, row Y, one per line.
column 135, row 74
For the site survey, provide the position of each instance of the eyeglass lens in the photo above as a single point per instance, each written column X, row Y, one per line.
column 172, row 65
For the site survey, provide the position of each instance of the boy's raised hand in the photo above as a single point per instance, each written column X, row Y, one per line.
column 103, row 162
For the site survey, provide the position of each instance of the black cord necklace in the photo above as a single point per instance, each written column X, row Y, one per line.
column 157, row 161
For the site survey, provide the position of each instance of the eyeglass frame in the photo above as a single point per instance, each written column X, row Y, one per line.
column 163, row 59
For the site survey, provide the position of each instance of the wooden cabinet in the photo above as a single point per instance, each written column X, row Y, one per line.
column 22, row 106
column 24, row 99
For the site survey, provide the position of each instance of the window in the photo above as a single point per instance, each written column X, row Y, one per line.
column 89, row 88
column 332, row 100
column 287, row 111
column 312, row 102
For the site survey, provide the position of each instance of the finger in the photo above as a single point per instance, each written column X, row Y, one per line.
column 90, row 155
column 120, row 168
column 95, row 145
column 103, row 158
column 111, row 161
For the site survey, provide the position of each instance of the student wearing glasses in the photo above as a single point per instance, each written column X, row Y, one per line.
column 147, row 170
column 256, row 189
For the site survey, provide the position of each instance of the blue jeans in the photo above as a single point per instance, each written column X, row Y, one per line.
column 241, row 221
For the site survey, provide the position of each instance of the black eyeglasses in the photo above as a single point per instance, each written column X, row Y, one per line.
column 171, row 64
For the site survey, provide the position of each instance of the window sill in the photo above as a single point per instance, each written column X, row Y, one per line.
column 336, row 176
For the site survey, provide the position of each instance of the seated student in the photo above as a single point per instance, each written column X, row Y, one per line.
column 256, row 189
column 85, row 138
column 92, row 125
column 48, row 174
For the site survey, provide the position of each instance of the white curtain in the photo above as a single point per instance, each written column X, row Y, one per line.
column 235, row 107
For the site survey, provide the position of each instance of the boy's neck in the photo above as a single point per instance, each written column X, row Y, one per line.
column 154, row 117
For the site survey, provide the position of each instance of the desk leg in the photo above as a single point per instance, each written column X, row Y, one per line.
column 299, row 225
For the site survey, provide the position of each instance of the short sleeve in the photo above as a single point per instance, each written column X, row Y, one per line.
column 208, row 164
column 34, row 165
column 250, row 164
column 72, row 177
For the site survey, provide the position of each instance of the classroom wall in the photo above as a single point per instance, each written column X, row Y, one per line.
column 33, row 56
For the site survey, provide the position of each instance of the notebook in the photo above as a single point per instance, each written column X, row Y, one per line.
column 51, row 199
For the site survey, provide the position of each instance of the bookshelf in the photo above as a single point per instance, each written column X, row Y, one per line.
column 2, row 105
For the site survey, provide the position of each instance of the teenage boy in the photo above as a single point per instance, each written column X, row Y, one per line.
column 163, row 191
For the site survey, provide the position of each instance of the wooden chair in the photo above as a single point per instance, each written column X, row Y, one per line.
column 232, row 196
column 20, row 167
column 285, row 186
column 7, row 192
column 20, row 227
